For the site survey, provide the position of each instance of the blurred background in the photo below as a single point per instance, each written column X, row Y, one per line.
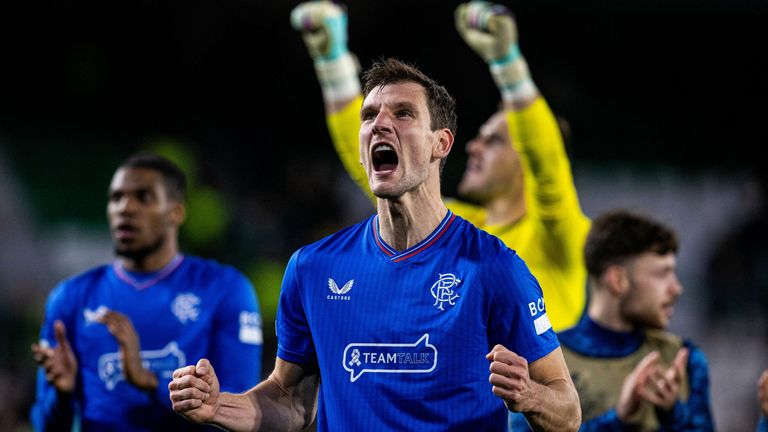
column 663, row 102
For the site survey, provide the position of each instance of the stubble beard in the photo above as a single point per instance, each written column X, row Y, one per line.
column 140, row 254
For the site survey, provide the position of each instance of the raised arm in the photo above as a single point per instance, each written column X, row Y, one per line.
column 490, row 30
column 323, row 26
column 286, row 401
column 550, row 198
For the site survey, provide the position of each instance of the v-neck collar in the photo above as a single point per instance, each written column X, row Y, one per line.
column 143, row 281
column 395, row 256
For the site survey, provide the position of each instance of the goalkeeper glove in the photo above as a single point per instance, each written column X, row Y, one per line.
column 323, row 26
column 490, row 30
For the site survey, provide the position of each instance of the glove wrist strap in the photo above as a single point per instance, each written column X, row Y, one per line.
column 338, row 77
column 513, row 78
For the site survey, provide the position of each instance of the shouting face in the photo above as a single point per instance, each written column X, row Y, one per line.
column 398, row 148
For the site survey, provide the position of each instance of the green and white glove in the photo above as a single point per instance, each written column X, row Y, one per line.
column 490, row 30
column 323, row 26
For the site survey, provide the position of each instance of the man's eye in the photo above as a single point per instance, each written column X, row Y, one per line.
column 143, row 196
column 368, row 116
column 404, row 113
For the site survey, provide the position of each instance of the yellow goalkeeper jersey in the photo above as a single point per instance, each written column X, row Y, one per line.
column 550, row 237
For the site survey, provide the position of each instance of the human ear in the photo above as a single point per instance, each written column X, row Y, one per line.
column 444, row 143
column 617, row 280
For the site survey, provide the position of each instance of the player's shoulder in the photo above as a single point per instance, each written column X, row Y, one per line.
column 210, row 268
column 695, row 354
column 85, row 278
column 480, row 241
column 76, row 285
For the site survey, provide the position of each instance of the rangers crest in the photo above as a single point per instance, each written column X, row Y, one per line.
column 442, row 290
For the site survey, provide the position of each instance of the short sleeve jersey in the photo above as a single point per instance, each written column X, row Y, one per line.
column 400, row 337
column 193, row 308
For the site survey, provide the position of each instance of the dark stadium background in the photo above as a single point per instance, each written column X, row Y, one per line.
column 678, row 84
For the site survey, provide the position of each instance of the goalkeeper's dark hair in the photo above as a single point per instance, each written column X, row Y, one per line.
column 620, row 234
column 173, row 177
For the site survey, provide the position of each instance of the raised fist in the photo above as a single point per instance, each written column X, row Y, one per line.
column 488, row 28
column 323, row 25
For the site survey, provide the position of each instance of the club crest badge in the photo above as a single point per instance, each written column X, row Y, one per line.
column 443, row 290
column 186, row 307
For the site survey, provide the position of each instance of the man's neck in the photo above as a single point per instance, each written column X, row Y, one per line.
column 152, row 262
column 608, row 316
column 406, row 221
column 505, row 209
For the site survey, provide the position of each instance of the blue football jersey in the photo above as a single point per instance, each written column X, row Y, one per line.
column 193, row 308
column 400, row 337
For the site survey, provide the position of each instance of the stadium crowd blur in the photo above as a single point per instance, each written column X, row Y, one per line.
column 658, row 100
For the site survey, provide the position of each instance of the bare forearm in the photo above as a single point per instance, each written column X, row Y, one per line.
column 238, row 412
column 264, row 408
column 556, row 408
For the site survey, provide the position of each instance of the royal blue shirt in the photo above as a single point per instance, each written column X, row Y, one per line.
column 400, row 337
column 192, row 308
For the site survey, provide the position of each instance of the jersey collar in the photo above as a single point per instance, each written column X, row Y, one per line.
column 395, row 256
column 142, row 281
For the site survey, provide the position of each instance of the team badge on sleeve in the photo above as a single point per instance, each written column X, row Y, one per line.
column 541, row 322
column 250, row 328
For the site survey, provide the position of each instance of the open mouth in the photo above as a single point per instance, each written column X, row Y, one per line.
column 473, row 164
column 125, row 230
column 384, row 158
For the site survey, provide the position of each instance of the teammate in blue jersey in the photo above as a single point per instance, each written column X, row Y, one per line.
column 411, row 320
column 113, row 336
column 631, row 374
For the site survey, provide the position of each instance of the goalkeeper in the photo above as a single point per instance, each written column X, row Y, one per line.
column 517, row 168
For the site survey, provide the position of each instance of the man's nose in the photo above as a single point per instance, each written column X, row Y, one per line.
column 382, row 123
column 677, row 287
column 126, row 204
column 472, row 146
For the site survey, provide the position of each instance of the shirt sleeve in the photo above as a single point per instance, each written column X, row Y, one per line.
column 238, row 338
column 294, row 338
column 695, row 414
column 518, row 318
column 537, row 138
column 551, row 198
column 53, row 410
